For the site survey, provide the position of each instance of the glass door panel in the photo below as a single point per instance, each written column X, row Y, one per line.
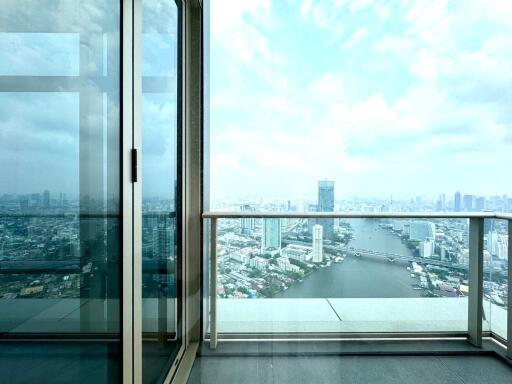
column 60, row 217
column 161, row 190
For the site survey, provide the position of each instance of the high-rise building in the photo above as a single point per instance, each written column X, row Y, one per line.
column 479, row 203
column 326, row 204
column 271, row 234
column 247, row 224
column 439, row 205
column 427, row 248
column 457, row 202
column 163, row 240
column 318, row 243
column 326, row 196
column 23, row 203
column 497, row 244
column 46, row 199
column 311, row 222
column 467, row 202
column 506, row 203
column 422, row 230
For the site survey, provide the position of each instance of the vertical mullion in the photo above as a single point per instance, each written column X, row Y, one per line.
column 213, row 283
column 137, row 189
column 127, row 191
column 509, row 304
column 475, row 305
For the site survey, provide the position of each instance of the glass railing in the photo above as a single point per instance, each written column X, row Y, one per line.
column 42, row 271
column 495, row 282
column 373, row 274
column 59, row 273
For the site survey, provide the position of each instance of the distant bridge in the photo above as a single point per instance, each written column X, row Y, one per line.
column 397, row 257
column 384, row 255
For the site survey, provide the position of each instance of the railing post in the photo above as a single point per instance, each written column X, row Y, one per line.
column 475, row 305
column 509, row 304
column 213, row 283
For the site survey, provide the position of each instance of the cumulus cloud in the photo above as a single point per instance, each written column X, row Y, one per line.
column 422, row 107
column 356, row 38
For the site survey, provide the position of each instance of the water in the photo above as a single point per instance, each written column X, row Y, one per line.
column 367, row 276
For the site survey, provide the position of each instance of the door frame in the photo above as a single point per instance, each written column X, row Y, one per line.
column 132, row 189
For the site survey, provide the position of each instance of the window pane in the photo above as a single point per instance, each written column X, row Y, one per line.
column 367, row 107
column 60, row 252
column 161, row 191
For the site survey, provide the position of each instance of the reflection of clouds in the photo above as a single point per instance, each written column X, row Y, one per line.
column 159, row 128
column 43, row 33
column 89, row 16
column 52, row 128
column 39, row 142
column 39, row 54
column 159, row 16
column 159, row 144
column 159, row 58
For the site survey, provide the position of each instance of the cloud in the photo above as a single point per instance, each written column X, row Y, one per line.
column 356, row 38
column 434, row 117
column 39, row 54
column 39, row 141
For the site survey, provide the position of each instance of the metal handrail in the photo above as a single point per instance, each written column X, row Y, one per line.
column 476, row 242
column 82, row 215
column 355, row 215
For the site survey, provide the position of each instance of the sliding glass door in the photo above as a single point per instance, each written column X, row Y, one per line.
column 90, row 255
column 60, row 196
column 161, row 188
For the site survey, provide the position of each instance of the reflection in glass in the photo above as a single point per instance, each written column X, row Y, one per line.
column 59, row 189
column 161, row 260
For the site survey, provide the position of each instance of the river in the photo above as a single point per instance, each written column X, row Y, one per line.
column 364, row 276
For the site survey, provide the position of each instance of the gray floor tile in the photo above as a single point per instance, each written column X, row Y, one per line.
column 479, row 369
column 231, row 370
column 351, row 369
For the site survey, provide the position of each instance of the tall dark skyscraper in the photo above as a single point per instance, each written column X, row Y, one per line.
column 46, row 199
column 326, row 196
column 456, row 202
column 326, row 204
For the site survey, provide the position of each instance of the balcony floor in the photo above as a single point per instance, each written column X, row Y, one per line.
column 342, row 315
column 350, row 362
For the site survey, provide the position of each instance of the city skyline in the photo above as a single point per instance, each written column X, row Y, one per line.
column 324, row 202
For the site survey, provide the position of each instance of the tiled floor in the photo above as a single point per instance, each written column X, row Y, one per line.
column 351, row 369
column 358, row 361
column 59, row 362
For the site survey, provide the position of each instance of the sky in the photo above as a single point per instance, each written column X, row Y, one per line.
column 402, row 98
